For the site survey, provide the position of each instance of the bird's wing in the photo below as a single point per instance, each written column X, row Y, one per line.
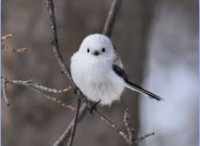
column 119, row 70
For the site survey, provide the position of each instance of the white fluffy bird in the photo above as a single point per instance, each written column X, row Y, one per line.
column 98, row 72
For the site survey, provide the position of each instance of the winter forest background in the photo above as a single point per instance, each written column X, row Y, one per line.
column 158, row 43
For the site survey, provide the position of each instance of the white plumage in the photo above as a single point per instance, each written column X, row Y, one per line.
column 92, row 70
column 93, row 74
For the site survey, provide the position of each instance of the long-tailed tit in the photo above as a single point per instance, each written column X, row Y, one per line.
column 98, row 72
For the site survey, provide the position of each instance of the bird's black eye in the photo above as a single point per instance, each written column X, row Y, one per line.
column 88, row 50
column 103, row 50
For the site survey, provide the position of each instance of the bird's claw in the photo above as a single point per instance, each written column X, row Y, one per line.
column 93, row 106
column 76, row 89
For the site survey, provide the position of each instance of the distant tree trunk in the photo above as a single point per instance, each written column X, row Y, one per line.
column 172, row 72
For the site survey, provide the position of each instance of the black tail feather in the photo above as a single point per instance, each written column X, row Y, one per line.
column 137, row 88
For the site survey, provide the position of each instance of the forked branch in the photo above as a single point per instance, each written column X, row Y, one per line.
column 39, row 88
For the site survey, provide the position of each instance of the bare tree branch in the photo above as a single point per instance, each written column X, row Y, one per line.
column 29, row 83
column 56, row 100
column 63, row 138
column 127, row 137
column 17, row 50
column 115, row 128
column 130, row 130
column 38, row 88
column 54, row 40
column 143, row 137
column 110, row 21
column 75, row 123
column 5, row 92
column 64, row 69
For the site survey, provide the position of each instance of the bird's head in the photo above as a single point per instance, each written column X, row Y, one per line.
column 97, row 45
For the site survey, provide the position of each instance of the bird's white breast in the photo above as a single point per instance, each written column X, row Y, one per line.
column 96, row 79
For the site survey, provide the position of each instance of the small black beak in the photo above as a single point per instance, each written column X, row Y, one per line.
column 96, row 53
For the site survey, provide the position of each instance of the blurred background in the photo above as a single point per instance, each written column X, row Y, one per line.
column 158, row 43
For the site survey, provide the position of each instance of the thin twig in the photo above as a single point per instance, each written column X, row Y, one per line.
column 128, row 138
column 21, row 50
column 130, row 130
column 54, row 40
column 64, row 69
column 5, row 37
column 71, row 139
column 66, row 134
column 5, row 92
column 56, row 100
column 115, row 128
column 50, row 90
column 17, row 50
column 29, row 83
column 143, row 137
column 110, row 21
column 38, row 88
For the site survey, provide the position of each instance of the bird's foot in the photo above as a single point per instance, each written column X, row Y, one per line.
column 76, row 90
column 93, row 106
